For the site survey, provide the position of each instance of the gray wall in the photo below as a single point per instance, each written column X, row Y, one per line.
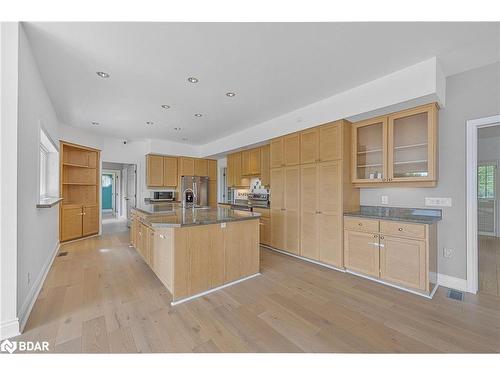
column 470, row 95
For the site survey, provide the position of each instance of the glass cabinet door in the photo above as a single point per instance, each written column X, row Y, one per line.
column 370, row 153
column 411, row 145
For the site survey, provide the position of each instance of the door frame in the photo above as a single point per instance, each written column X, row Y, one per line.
column 115, row 191
column 471, row 175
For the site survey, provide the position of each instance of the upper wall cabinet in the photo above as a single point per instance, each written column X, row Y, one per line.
column 285, row 151
column 161, row 171
column 322, row 143
column 396, row 150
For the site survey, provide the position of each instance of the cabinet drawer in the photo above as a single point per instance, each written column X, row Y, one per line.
column 402, row 229
column 362, row 225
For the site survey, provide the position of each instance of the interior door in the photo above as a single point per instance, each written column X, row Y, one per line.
column 130, row 190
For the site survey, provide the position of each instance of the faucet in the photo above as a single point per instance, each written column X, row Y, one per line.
column 184, row 203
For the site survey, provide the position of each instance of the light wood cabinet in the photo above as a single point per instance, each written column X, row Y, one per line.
column 321, row 212
column 278, row 208
column 212, row 193
column 154, row 170
column 80, row 189
column 291, row 149
column 362, row 253
column 291, row 200
column 200, row 167
column 162, row 255
column 71, row 222
column 399, row 149
column 212, row 170
column 403, row 261
column 245, row 163
column 331, row 140
column 276, row 153
column 404, row 254
column 170, row 171
column 234, row 171
column 186, row 166
column 90, row 224
column 309, row 146
column 161, row 171
column 264, row 166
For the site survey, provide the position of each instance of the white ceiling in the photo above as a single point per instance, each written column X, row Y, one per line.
column 273, row 67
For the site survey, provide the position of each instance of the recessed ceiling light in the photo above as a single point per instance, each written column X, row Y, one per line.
column 198, row 115
column 177, row 129
column 103, row 74
column 95, row 123
column 230, row 94
column 165, row 106
column 149, row 122
column 193, row 79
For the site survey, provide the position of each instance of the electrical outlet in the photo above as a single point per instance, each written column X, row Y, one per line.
column 448, row 253
column 222, row 225
column 384, row 199
column 438, row 202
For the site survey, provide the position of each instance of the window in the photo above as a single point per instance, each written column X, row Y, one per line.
column 48, row 167
column 486, row 181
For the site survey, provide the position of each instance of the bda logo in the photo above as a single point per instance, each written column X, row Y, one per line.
column 8, row 346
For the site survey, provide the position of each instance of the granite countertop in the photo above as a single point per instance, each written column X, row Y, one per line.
column 172, row 215
column 412, row 215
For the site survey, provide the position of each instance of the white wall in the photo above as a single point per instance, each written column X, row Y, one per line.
column 469, row 95
column 9, row 36
column 38, row 229
column 489, row 150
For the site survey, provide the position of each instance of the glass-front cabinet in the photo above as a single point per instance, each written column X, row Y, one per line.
column 370, row 138
column 400, row 148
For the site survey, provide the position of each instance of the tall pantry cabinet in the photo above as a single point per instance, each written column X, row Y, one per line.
column 80, row 188
column 311, row 189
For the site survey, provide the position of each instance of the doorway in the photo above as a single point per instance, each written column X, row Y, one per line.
column 118, row 195
column 483, row 190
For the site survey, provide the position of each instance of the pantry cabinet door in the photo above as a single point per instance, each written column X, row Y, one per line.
column 309, row 146
column 309, row 235
column 292, row 209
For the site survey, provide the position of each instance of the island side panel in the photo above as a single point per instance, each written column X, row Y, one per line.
column 208, row 256
column 242, row 249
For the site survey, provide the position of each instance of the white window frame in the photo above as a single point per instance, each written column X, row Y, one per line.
column 43, row 165
column 49, row 150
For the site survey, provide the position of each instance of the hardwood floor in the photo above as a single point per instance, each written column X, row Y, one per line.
column 489, row 265
column 102, row 297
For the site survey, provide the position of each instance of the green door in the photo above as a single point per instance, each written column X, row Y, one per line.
column 107, row 191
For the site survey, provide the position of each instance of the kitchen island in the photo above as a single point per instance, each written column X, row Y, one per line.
column 196, row 250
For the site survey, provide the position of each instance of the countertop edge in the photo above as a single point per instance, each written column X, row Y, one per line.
column 167, row 225
column 393, row 218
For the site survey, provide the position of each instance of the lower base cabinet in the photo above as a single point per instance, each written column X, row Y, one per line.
column 264, row 225
column 78, row 221
column 408, row 259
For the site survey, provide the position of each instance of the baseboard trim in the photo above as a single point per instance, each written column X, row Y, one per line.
column 28, row 304
column 304, row 258
column 173, row 303
column 452, row 282
column 9, row 328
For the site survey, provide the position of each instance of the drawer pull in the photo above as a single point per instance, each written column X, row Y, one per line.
column 400, row 229
column 360, row 224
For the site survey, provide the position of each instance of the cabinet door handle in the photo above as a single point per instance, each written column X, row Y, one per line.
column 162, row 236
column 381, row 237
column 375, row 235
column 390, row 179
column 360, row 224
column 400, row 229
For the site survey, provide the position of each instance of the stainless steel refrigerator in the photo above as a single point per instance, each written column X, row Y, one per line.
column 198, row 185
